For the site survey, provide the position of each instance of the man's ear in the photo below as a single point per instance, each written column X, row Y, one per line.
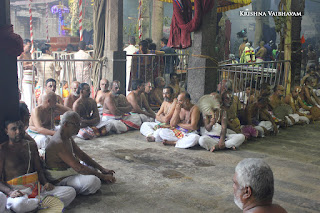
column 247, row 192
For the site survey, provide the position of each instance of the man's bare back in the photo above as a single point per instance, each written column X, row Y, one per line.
column 272, row 208
column 70, row 100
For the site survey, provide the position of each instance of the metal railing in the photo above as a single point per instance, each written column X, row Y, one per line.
column 32, row 76
column 149, row 66
column 250, row 76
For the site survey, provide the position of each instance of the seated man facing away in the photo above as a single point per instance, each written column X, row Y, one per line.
column 215, row 136
column 156, row 97
column 116, row 110
column 21, row 170
column 253, row 187
column 184, row 124
column 73, row 96
column 51, row 86
column 63, row 156
column 42, row 120
column 138, row 101
column 163, row 117
column 87, row 109
column 104, row 88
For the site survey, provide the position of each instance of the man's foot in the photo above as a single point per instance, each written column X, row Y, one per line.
column 170, row 143
column 217, row 147
column 151, row 139
column 234, row 148
column 103, row 131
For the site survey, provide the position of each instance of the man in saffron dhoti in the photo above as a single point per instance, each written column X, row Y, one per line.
column 21, row 173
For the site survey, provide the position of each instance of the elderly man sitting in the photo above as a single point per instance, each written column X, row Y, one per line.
column 69, row 101
column 253, row 187
column 43, row 117
column 63, row 160
column 20, row 172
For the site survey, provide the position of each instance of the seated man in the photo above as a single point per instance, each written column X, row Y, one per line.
column 104, row 88
column 156, row 97
column 294, row 100
column 276, row 100
column 163, row 117
column 43, row 117
column 259, row 117
column 21, row 170
column 174, row 83
column 183, row 124
column 63, row 156
column 87, row 109
column 73, row 96
column 116, row 110
column 50, row 86
column 253, row 187
column 307, row 94
column 138, row 101
column 215, row 136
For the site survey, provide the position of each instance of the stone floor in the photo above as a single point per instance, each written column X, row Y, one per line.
column 156, row 178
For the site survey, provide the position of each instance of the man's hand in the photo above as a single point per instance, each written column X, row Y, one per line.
column 48, row 187
column 108, row 178
column 107, row 171
column 178, row 106
column 15, row 193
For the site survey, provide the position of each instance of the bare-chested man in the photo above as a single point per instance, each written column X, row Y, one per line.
column 258, row 116
column 51, row 86
column 63, row 156
column 87, row 109
column 253, row 187
column 156, row 97
column 184, row 124
column 42, row 120
column 20, row 169
column 104, row 88
column 116, row 110
column 216, row 136
column 163, row 117
column 276, row 100
column 73, row 96
column 139, row 102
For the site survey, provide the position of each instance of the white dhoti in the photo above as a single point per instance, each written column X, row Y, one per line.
column 41, row 140
column 121, row 124
column 87, row 133
column 83, row 184
column 263, row 124
column 143, row 117
column 28, row 89
column 183, row 140
column 147, row 129
column 210, row 139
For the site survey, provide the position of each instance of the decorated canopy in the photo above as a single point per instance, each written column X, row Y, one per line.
column 225, row 5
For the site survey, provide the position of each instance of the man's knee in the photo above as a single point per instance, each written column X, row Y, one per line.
column 91, row 184
column 22, row 204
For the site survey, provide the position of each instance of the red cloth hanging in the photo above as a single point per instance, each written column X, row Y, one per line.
column 183, row 24
column 10, row 42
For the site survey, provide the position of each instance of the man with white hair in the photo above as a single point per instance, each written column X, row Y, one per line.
column 73, row 96
column 63, row 160
column 43, row 119
column 253, row 187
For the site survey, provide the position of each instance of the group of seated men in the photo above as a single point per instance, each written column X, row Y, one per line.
column 213, row 123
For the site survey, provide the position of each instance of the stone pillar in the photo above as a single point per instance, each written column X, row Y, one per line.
column 157, row 22
column 202, row 77
column 116, row 65
column 9, row 98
